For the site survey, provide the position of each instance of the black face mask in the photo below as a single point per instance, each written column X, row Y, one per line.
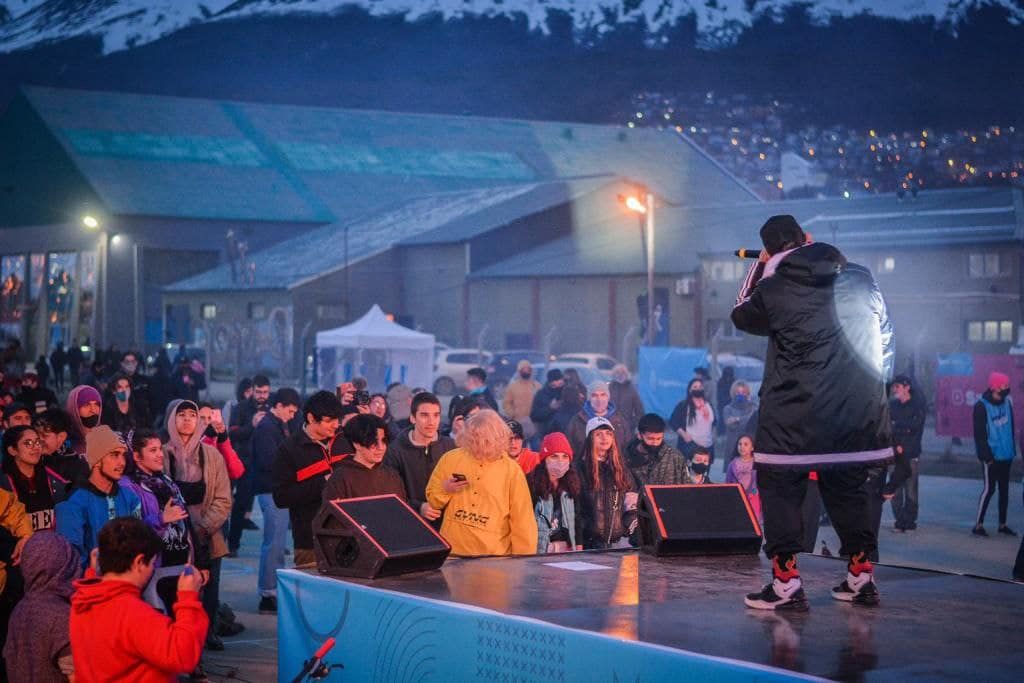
column 90, row 422
column 697, row 393
column 699, row 468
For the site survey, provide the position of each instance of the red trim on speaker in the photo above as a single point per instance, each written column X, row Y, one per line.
column 387, row 495
column 743, row 496
column 356, row 525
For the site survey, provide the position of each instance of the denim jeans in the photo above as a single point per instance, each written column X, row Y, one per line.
column 275, row 535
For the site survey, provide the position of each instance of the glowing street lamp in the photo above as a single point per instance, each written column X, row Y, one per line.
column 645, row 208
column 90, row 222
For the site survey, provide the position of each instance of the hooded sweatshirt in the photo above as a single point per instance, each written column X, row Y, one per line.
column 79, row 430
column 38, row 648
column 352, row 479
column 202, row 477
column 137, row 643
column 577, row 427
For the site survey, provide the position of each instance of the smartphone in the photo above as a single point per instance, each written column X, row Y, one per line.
column 458, row 477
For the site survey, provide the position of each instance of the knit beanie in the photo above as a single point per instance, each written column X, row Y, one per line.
column 85, row 394
column 99, row 442
column 998, row 380
column 555, row 442
column 597, row 385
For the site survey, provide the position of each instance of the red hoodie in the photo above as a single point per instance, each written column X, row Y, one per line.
column 115, row 636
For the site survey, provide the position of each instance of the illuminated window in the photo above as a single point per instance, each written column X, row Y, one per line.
column 208, row 311
column 990, row 331
column 257, row 311
column 887, row 264
column 987, row 264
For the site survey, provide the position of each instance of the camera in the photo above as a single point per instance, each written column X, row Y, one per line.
column 362, row 398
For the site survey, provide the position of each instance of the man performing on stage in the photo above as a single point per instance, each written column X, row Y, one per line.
column 823, row 402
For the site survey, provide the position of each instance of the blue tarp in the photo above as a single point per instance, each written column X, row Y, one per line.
column 663, row 374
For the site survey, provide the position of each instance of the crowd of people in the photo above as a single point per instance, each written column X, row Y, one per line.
column 118, row 508
column 748, row 135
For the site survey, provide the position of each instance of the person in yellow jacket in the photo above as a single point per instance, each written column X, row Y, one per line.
column 483, row 492
column 16, row 521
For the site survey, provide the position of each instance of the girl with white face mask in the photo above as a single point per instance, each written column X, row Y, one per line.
column 555, row 488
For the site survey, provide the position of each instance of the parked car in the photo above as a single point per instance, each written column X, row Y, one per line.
column 502, row 368
column 595, row 361
column 450, row 366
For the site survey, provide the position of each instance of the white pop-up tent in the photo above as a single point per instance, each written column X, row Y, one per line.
column 376, row 348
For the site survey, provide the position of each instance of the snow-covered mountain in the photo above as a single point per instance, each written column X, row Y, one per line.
column 122, row 24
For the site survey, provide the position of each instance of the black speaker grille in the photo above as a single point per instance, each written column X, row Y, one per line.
column 391, row 524
column 702, row 510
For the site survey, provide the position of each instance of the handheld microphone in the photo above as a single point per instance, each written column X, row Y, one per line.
column 748, row 253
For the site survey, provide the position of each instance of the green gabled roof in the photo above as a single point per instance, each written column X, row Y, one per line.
column 207, row 159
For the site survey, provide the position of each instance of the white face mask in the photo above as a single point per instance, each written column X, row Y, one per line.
column 556, row 468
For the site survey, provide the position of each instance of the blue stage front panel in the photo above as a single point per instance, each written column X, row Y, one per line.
column 389, row 637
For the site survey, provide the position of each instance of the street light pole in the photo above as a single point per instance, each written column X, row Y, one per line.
column 105, row 248
column 649, row 235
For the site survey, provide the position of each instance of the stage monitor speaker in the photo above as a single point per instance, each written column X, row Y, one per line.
column 375, row 536
column 698, row 519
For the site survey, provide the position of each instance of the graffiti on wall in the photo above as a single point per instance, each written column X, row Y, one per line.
column 250, row 346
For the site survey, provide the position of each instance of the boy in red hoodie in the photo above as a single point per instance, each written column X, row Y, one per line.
column 115, row 635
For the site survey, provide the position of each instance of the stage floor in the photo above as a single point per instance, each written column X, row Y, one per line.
column 930, row 626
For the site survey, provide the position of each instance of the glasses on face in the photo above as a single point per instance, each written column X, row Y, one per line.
column 31, row 443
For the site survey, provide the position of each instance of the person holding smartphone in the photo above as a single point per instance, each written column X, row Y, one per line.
column 483, row 493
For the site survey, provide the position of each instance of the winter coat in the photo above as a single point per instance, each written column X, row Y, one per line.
column 541, row 412
column 627, row 399
column 352, row 479
column 518, row 400
column 491, row 516
column 666, row 467
column 543, row 510
column 415, row 464
column 83, row 514
column 116, row 636
column 52, row 485
column 199, row 467
column 908, row 425
column 830, row 352
column 300, row 470
column 68, row 465
column 37, row 636
column 602, row 514
column 15, row 525
column 267, row 439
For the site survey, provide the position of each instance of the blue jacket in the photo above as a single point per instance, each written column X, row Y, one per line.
column 83, row 514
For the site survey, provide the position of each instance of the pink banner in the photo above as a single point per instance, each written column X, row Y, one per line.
column 956, row 394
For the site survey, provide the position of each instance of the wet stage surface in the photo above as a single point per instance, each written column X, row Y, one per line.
column 930, row 626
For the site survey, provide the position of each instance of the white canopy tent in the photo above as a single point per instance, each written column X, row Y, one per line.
column 376, row 348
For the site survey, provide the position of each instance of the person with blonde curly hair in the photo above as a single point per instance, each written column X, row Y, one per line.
column 483, row 493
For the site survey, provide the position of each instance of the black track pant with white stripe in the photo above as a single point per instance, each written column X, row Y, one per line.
column 997, row 474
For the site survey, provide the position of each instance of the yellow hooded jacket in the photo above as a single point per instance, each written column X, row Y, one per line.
column 491, row 516
column 14, row 519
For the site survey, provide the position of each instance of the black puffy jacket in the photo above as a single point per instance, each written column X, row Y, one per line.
column 830, row 353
